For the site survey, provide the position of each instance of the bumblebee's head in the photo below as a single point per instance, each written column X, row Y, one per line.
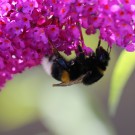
column 102, row 57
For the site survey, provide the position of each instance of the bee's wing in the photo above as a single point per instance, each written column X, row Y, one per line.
column 78, row 80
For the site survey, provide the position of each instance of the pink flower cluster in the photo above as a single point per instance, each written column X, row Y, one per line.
column 29, row 29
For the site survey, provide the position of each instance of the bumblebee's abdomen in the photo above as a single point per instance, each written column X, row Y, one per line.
column 92, row 76
column 75, row 71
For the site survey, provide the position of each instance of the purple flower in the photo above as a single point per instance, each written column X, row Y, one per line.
column 29, row 29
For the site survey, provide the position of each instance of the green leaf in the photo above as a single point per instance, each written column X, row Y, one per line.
column 18, row 99
column 122, row 71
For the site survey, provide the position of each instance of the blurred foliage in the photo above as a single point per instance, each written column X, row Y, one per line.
column 19, row 98
column 66, row 111
column 122, row 71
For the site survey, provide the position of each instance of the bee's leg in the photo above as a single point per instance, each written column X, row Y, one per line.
column 59, row 59
column 80, row 49
column 61, row 84
column 99, row 43
column 55, row 51
column 79, row 80
column 109, row 49
column 81, row 53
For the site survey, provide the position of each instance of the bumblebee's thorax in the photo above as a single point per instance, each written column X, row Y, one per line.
column 75, row 70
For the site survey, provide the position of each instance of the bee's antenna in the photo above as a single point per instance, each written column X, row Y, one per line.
column 80, row 48
column 81, row 56
column 54, row 49
column 110, row 50
column 99, row 42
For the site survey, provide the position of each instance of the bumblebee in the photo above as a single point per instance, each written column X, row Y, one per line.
column 83, row 69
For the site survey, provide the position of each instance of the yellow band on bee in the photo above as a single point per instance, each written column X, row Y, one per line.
column 100, row 70
column 65, row 77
